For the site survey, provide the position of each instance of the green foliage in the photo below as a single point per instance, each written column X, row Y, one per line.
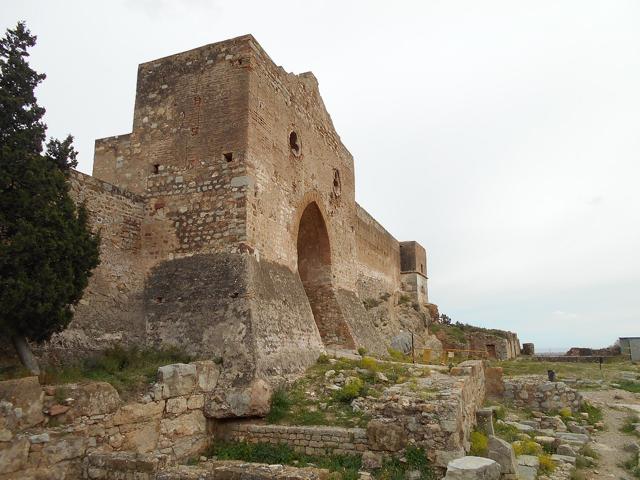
column 346, row 466
column 369, row 363
column 362, row 351
column 633, row 466
column 500, row 413
column 527, row 447
column 398, row 356
column 47, row 252
column 628, row 424
column 350, row 390
column 508, row 433
column 479, row 444
column 629, row 386
column 323, row 359
column 128, row 370
column 416, row 459
column 280, row 404
column 595, row 413
column 547, row 465
column 565, row 413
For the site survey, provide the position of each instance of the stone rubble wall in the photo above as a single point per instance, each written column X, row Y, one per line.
column 50, row 430
column 537, row 393
column 130, row 466
column 313, row 440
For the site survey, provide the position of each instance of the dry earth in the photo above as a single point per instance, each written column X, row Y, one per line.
column 611, row 442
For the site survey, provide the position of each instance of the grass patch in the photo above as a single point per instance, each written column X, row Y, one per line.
column 583, row 370
column 508, row 433
column 633, row 466
column 628, row 425
column 629, row 386
column 280, row 404
column 595, row 413
column 479, row 444
column 129, row 370
column 547, row 465
column 347, row 466
column 527, row 447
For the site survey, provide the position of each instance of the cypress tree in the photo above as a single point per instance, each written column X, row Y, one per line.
column 47, row 251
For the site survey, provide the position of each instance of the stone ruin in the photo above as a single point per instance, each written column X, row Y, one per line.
column 230, row 228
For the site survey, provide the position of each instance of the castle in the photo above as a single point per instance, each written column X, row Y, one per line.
column 230, row 229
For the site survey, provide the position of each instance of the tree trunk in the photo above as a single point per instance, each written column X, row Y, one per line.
column 25, row 354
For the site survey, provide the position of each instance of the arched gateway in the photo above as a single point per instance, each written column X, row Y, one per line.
column 314, row 267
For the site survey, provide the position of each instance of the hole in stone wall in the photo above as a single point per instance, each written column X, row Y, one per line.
column 337, row 183
column 421, row 268
column 155, row 168
column 159, row 299
column 294, row 143
column 228, row 156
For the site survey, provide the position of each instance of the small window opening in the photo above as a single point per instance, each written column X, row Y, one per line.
column 337, row 183
column 159, row 299
column 156, row 168
column 421, row 268
column 294, row 143
column 228, row 156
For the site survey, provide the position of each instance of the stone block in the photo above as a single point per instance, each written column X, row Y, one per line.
column 176, row 406
column 94, row 398
column 143, row 437
column 386, row 436
column 250, row 401
column 138, row 412
column 27, row 395
column 502, row 452
column 176, row 380
column 208, row 373
column 473, row 468
column 13, row 455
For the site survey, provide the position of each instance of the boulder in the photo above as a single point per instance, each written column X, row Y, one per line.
column 566, row 450
column 208, row 373
column 473, row 468
column 371, row 460
column 386, row 436
column 13, row 455
column 95, row 398
column 25, row 394
column 502, row 452
column 176, row 380
column 138, row 412
column 402, row 342
column 527, row 473
column 250, row 401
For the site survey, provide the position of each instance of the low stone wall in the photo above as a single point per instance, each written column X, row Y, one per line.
column 537, row 393
column 572, row 359
column 436, row 413
column 132, row 466
column 316, row 440
column 46, row 432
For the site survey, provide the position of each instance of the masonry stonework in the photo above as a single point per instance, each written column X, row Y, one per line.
column 230, row 229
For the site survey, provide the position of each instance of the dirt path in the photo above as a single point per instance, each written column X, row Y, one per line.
column 611, row 442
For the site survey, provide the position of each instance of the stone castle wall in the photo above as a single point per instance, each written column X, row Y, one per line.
column 229, row 224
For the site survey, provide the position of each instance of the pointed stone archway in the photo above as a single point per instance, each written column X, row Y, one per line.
column 314, row 268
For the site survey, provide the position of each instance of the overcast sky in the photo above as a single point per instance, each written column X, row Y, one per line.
column 504, row 136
